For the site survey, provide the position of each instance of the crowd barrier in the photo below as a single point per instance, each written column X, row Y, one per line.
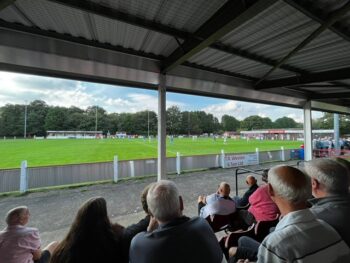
column 26, row 177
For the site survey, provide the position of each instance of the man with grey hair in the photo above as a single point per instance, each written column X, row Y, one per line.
column 21, row 244
column 330, row 184
column 177, row 238
column 299, row 236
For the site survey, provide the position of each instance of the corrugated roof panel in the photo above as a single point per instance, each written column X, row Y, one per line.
column 119, row 33
column 224, row 61
column 12, row 15
column 187, row 15
column 327, row 7
column 327, row 52
column 51, row 16
column 346, row 81
column 273, row 33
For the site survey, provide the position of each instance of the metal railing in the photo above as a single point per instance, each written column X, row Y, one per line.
column 245, row 171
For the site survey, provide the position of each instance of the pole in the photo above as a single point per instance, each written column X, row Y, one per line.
column 162, row 128
column 307, row 132
column 23, row 186
column 148, row 124
column 96, row 119
column 336, row 133
column 115, row 169
column 189, row 121
column 25, row 120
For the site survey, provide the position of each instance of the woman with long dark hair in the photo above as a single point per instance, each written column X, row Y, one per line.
column 91, row 238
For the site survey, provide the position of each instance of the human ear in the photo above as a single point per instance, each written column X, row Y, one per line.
column 270, row 190
column 181, row 203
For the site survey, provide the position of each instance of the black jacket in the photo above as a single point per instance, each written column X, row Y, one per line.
column 183, row 240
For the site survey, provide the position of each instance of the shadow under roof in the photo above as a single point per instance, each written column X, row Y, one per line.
column 268, row 51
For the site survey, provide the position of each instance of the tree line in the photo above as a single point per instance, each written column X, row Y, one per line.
column 42, row 118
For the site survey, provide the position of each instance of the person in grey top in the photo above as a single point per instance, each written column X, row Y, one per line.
column 330, row 184
column 178, row 238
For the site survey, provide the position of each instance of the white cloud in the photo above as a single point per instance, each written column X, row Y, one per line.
column 232, row 108
column 241, row 110
column 18, row 88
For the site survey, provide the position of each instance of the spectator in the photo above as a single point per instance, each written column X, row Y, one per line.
column 219, row 203
column 244, row 200
column 178, row 238
column 21, row 244
column 141, row 226
column 262, row 208
column 330, row 184
column 299, row 236
column 91, row 238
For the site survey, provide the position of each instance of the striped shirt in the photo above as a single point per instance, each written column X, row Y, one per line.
column 301, row 237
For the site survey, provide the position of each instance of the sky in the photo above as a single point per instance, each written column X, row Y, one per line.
column 21, row 88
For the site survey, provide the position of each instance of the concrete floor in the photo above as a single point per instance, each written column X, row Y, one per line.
column 53, row 212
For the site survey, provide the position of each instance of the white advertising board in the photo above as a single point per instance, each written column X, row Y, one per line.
column 236, row 160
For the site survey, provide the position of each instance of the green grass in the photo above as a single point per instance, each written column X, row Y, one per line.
column 57, row 152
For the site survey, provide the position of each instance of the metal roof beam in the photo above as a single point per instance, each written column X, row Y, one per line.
column 251, row 56
column 335, row 95
column 104, row 46
column 318, row 16
column 110, row 13
column 77, row 40
column 6, row 3
column 336, row 15
column 104, row 11
column 323, row 86
column 214, row 70
column 324, row 76
column 230, row 16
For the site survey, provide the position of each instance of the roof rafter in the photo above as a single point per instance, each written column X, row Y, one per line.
column 324, row 76
column 96, row 44
column 335, row 95
column 78, row 40
column 336, row 15
column 103, row 11
column 230, row 16
column 318, row 16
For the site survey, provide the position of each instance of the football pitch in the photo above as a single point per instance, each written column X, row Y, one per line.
column 70, row 151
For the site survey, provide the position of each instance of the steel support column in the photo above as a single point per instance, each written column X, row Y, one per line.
column 162, row 128
column 336, row 132
column 307, row 132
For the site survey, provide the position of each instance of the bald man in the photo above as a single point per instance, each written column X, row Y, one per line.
column 21, row 244
column 219, row 203
column 252, row 184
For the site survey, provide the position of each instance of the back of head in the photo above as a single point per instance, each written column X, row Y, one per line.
column 345, row 163
column 290, row 184
column 16, row 215
column 163, row 201
column 265, row 175
column 251, row 180
column 332, row 175
column 224, row 189
column 90, row 236
column 144, row 198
